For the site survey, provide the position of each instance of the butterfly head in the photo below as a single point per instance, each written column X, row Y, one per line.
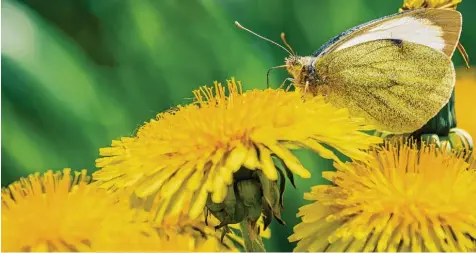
column 300, row 68
column 294, row 65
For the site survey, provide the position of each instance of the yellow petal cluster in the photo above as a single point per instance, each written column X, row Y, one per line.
column 62, row 212
column 443, row 4
column 411, row 200
column 186, row 153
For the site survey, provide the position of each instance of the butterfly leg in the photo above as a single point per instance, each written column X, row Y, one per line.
column 291, row 83
column 291, row 80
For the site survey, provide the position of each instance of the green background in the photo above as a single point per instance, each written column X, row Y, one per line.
column 77, row 74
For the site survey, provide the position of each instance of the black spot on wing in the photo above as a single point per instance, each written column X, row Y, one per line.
column 397, row 42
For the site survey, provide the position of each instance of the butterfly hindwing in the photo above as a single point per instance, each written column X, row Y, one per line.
column 396, row 85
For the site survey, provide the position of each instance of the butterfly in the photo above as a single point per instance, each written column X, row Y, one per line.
column 395, row 71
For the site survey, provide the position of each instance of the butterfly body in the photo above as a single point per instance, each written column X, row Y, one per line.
column 395, row 71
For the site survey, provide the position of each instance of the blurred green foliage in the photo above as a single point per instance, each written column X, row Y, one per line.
column 78, row 73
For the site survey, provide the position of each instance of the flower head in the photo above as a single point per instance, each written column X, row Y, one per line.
column 61, row 212
column 411, row 200
column 228, row 143
column 58, row 212
column 443, row 4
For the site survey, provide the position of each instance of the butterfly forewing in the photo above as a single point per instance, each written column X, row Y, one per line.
column 396, row 85
column 437, row 28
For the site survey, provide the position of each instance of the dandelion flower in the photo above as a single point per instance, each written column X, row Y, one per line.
column 222, row 143
column 411, row 200
column 61, row 212
column 443, row 4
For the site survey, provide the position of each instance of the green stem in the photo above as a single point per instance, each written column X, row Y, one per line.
column 253, row 242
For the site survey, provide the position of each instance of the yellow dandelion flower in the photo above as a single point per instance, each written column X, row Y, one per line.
column 411, row 200
column 465, row 92
column 61, row 212
column 443, row 4
column 186, row 154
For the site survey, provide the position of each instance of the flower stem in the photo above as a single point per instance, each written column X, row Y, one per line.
column 253, row 242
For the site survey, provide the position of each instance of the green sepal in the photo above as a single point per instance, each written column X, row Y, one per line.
column 282, row 187
column 267, row 214
column 289, row 173
column 271, row 195
column 267, row 188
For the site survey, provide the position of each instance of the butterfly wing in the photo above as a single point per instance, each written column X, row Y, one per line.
column 396, row 85
column 437, row 28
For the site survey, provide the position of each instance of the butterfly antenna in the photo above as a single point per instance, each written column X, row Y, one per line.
column 283, row 38
column 261, row 37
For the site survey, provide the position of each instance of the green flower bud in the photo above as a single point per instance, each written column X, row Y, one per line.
column 230, row 211
column 251, row 195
